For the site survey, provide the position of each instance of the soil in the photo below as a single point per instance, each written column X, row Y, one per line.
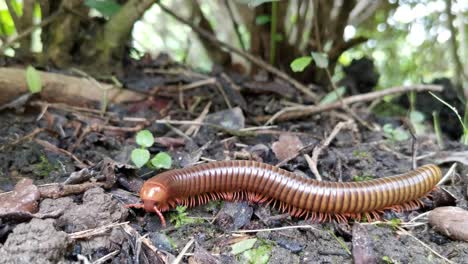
column 133, row 236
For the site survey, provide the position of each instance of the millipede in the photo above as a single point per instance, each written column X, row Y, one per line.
column 300, row 197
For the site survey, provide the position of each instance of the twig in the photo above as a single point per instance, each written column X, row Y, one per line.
column 184, row 250
column 194, row 128
column 197, row 84
column 259, row 62
column 30, row 30
column 234, row 24
column 318, row 149
column 275, row 229
column 414, row 142
column 94, row 231
column 56, row 149
column 313, row 167
column 448, row 174
column 223, row 93
column 106, row 257
column 290, row 113
column 28, row 136
column 424, row 244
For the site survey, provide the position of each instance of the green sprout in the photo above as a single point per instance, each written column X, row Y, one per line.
column 141, row 156
column 180, row 217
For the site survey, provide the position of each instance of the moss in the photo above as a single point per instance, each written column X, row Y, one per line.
column 43, row 168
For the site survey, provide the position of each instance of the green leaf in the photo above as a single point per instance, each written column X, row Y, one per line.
column 140, row 157
column 259, row 255
column 17, row 7
column 144, row 138
column 106, row 7
column 416, row 117
column 262, row 20
column 400, row 135
column 333, row 95
column 300, row 63
column 7, row 27
column 242, row 246
column 320, row 59
column 33, row 79
column 162, row 160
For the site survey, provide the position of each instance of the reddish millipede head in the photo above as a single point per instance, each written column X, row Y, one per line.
column 154, row 196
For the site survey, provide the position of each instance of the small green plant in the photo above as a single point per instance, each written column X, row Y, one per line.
column 394, row 223
column 140, row 156
column 320, row 59
column 340, row 241
column 180, row 217
column 242, row 246
column 464, row 123
column 359, row 178
column 361, row 154
column 333, row 96
column 417, row 120
column 260, row 255
column 33, row 79
column 44, row 167
column 395, row 134
column 388, row 260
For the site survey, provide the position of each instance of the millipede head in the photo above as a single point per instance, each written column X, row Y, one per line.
column 155, row 198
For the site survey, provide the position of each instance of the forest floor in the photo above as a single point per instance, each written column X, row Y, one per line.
column 86, row 220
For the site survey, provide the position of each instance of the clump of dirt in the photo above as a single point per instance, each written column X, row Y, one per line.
column 36, row 241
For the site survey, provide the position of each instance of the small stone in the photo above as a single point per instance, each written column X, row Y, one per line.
column 450, row 221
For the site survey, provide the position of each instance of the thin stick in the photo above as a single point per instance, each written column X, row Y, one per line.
column 424, row 244
column 448, row 174
column 290, row 113
column 275, row 229
column 235, row 25
column 28, row 136
column 419, row 216
column 56, row 149
column 225, row 97
column 197, row 84
column 318, row 149
column 94, row 231
column 106, row 257
column 194, row 128
column 184, row 250
column 259, row 62
column 30, row 30
column 313, row 167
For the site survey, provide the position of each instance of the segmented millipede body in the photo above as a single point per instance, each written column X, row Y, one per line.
column 300, row 197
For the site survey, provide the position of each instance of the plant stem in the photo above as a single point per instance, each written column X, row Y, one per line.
column 437, row 130
column 273, row 23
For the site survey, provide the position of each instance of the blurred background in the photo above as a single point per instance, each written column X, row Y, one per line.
column 409, row 40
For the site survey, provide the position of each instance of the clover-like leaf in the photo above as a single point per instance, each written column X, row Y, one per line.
column 162, row 160
column 140, row 157
column 144, row 138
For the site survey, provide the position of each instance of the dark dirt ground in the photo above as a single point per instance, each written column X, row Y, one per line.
column 67, row 226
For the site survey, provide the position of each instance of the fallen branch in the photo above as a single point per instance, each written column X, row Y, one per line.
column 296, row 112
column 318, row 149
column 62, row 88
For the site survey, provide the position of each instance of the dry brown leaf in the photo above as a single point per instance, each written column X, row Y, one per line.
column 287, row 146
column 24, row 198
